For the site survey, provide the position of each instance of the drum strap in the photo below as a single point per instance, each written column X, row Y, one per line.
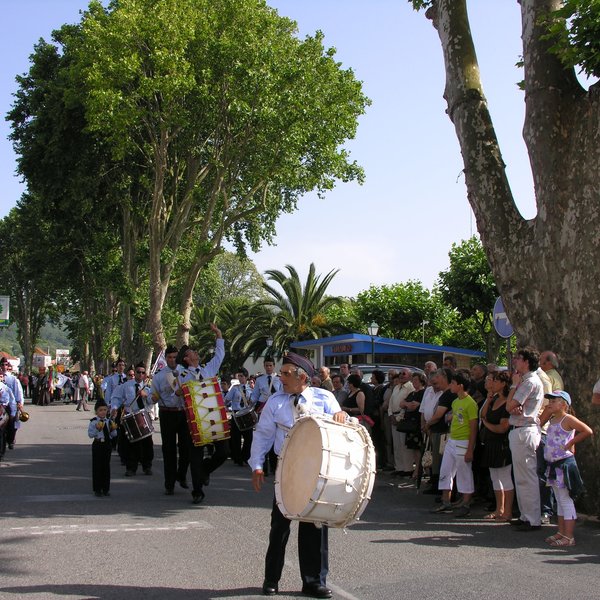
column 140, row 402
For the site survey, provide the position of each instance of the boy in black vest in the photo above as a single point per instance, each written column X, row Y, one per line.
column 101, row 429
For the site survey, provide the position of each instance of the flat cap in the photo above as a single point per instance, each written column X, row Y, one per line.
column 291, row 358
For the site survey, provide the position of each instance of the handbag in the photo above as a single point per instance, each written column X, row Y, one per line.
column 427, row 457
column 408, row 426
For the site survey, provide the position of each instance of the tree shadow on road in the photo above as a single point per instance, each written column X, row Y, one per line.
column 118, row 592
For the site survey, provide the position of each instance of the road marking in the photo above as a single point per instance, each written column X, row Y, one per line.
column 93, row 528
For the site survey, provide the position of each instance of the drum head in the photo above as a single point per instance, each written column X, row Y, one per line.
column 302, row 465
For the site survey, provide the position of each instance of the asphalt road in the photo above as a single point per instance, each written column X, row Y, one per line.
column 59, row 541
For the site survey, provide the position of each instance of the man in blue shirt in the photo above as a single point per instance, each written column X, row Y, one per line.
column 135, row 396
column 238, row 398
column 14, row 385
column 265, row 386
column 9, row 407
column 278, row 415
column 174, row 431
column 111, row 388
column 190, row 370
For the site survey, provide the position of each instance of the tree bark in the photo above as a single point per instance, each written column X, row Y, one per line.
column 544, row 267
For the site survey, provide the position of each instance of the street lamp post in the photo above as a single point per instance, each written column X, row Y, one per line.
column 373, row 329
column 423, row 323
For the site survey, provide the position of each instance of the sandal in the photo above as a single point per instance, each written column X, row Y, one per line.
column 553, row 538
column 563, row 540
column 491, row 517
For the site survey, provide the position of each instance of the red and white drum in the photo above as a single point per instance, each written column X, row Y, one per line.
column 205, row 411
column 325, row 472
column 137, row 425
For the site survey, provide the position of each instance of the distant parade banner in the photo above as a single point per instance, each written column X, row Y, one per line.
column 4, row 306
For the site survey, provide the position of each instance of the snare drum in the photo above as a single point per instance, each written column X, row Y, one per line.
column 205, row 411
column 246, row 418
column 325, row 472
column 137, row 425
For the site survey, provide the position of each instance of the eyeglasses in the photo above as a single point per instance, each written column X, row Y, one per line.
column 141, row 372
column 286, row 373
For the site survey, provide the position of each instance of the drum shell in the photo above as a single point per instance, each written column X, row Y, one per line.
column 205, row 411
column 137, row 425
column 325, row 473
column 246, row 418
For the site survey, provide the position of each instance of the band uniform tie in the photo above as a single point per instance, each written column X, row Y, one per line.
column 140, row 402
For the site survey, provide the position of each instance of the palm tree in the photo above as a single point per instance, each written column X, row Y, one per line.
column 293, row 313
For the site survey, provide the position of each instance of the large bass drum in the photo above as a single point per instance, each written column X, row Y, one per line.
column 325, row 472
column 205, row 411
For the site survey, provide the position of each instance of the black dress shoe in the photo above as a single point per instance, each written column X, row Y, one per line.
column 197, row 497
column 316, row 590
column 269, row 589
column 169, row 491
column 184, row 484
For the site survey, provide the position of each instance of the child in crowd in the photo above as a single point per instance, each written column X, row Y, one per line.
column 458, row 453
column 101, row 429
column 562, row 474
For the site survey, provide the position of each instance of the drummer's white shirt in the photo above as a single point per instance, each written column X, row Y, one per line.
column 210, row 369
column 278, row 416
column 127, row 397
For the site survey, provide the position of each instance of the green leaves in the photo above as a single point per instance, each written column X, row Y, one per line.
column 468, row 284
column 574, row 31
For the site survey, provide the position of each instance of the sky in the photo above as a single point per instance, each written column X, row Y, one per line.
column 402, row 222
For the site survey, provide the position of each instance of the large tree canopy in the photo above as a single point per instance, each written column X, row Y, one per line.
column 231, row 115
column 157, row 130
column 544, row 267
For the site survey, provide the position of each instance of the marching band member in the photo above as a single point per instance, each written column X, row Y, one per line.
column 266, row 385
column 14, row 385
column 9, row 406
column 278, row 415
column 101, row 429
column 237, row 398
column 174, row 431
column 111, row 393
column 135, row 395
column 201, row 467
